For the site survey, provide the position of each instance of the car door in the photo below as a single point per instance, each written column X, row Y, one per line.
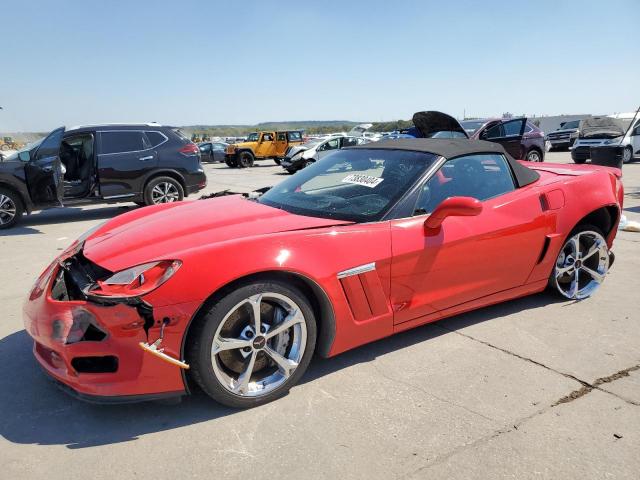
column 349, row 142
column 509, row 134
column 217, row 152
column 206, row 154
column 327, row 147
column 265, row 146
column 281, row 143
column 43, row 171
column 469, row 257
column 124, row 159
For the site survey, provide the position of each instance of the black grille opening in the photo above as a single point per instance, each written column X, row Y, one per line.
column 75, row 275
column 106, row 364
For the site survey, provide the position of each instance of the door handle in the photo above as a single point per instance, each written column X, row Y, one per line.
column 144, row 159
column 47, row 169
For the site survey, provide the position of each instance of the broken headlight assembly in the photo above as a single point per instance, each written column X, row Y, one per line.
column 135, row 281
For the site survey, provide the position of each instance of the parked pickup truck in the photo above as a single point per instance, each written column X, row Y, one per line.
column 261, row 146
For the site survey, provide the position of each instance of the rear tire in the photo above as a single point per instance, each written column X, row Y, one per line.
column 163, row 190
column 231, row 163
column 534, row 156
column 579, row 161
column 277, row 160
column 245, row 159
column 11, row 208
column 627, row 155
column 582, row 263
column 241, row 368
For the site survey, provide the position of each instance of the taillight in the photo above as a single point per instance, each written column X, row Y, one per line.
column 136, row 281
column 189, row 149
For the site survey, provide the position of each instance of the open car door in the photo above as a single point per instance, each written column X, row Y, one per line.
column 44, row 174
column 507, row 133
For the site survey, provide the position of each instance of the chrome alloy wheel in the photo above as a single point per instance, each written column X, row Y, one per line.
column 534, row 156
column 7, row 210
column 582, row 265
column 164, row 192
column 259, row 344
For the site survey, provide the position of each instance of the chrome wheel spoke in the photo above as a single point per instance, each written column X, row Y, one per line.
column 575, row 246
column 285, row 365
column 222, row 344
column 242, row 385
column 573, row 290
column 595, row 248
column 597, row 276
column 288, row 322
column 256, row 301
column 563, row 271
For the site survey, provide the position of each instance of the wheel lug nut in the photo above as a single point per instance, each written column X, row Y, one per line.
column 249, row 334
column 246, row 349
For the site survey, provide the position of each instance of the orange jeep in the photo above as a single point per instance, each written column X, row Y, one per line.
column 260, row 146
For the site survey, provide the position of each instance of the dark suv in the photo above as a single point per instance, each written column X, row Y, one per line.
column 147, row 164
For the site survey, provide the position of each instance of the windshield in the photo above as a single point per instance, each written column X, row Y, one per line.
column 27, row 148
column 573, row 124
column 358, row 185
column 471, row 126
column 253, row 137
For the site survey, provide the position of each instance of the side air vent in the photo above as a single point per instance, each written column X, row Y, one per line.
column 364, row 292
column 544, row 203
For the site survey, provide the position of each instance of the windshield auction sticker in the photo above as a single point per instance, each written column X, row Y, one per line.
column 364, row 180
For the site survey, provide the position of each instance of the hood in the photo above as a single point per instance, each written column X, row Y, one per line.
column 291, row 151
column 431, row 122
column 601, row 127
column 165, row 231
column 241, row 144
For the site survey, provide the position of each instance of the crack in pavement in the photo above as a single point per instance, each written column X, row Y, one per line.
column 586, row 386
column 594, row 386
column 512, row 427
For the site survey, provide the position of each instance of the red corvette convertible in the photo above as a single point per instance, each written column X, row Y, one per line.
column 235, row 294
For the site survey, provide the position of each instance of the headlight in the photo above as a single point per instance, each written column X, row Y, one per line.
column 135, row 281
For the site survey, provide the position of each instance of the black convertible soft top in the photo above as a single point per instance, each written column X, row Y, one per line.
column 452, row 148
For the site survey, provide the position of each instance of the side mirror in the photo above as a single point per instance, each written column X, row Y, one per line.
column 24, row 156
column 452, row 207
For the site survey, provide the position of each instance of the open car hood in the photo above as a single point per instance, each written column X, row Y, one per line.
column 604, row 127
column 164, row 231
column 431, row 122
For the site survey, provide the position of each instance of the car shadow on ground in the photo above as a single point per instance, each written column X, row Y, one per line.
column 36, row 412
column 28, row 225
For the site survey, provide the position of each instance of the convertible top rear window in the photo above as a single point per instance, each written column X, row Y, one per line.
column 357, row 185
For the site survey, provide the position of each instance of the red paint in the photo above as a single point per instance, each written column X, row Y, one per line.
column 469, row 263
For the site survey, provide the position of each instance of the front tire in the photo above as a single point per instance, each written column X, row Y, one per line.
column 627, row 155
column 245, row 160
column 163, row 190
column 11, row 208
column 582, row 263
column 277, row 160
column 253, row 344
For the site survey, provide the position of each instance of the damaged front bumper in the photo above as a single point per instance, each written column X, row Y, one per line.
column 93, row 349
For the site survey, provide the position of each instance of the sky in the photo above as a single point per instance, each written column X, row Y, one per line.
column 243, row 62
